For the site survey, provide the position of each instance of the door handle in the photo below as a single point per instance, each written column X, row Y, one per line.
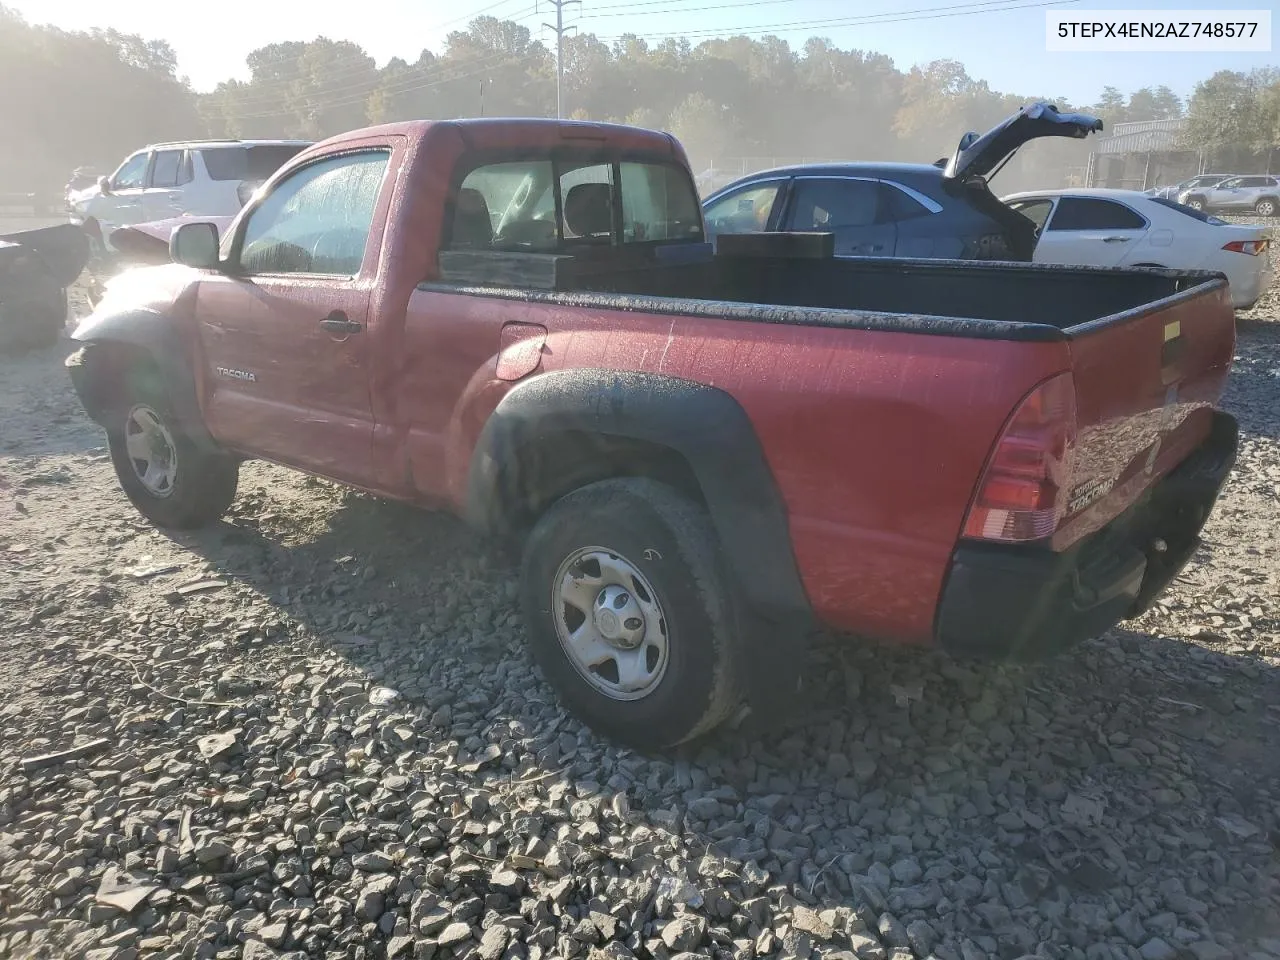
column 1115, row 239
column 339, row 322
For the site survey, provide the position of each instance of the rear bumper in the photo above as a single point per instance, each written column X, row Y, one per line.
column 1019, row 603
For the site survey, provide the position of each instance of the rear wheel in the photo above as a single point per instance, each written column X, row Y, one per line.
column 630, row 612
column 1266, row 207
column 170, row 479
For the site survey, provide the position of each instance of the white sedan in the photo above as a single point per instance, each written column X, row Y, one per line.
column 1124, row 228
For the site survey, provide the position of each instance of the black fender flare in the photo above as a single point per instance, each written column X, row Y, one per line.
column 153, row 335
column 702, row 424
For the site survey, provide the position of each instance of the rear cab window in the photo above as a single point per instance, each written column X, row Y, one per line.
column 563, row 203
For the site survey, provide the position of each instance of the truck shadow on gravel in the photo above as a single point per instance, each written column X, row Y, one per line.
column 1130, row 784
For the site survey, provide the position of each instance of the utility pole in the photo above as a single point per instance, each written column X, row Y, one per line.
column 560, row 29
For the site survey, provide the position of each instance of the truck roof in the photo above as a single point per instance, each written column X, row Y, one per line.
column 495, row 133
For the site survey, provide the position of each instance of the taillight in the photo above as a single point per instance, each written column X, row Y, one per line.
column 1251, row 247
column 1022, row 495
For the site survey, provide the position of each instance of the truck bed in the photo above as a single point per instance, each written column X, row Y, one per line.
column 1007, row 301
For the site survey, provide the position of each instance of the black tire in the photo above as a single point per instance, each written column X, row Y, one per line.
column 203, row 482
column 1266, row 207
column 670, row 542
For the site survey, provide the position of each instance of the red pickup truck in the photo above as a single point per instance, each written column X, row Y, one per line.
column 704, row 452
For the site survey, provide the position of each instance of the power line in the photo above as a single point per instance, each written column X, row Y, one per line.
column 396, row 88
column 266, row 93
column 799, row 25
column 560, row 29
column 627, row 9
column 354, row 64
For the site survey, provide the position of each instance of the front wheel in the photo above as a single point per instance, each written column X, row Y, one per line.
column 631, row 614
column 1266, row 207
column 167, row 476
column 1195, row 203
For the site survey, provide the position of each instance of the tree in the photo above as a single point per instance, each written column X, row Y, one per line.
column 703, row 126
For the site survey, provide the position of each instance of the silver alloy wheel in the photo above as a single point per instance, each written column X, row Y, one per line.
column 1195, row 204
column 610, row 623
column 151, row 451
column 1267, row 208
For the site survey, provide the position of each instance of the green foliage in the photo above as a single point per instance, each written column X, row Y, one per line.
column 1236, row 112
column 96, row 96
column 84, row 98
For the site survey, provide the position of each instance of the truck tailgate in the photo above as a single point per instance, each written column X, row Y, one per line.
column 1146, row 383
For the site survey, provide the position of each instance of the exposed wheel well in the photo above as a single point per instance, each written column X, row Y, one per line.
column 543, row 471
column 108, row 370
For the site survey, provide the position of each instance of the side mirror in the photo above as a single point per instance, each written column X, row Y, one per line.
column 195, row 245
column 967, row 140
column 104, row 184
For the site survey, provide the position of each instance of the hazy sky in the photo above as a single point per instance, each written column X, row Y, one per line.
column 1000, row 41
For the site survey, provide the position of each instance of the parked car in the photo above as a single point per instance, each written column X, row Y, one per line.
column 1122, row 228
column 1175, row 191
column 82, row 178
column 36, row 267
column 164, row 180
column 703, row 454
column 1237, row 195
column 941, row 210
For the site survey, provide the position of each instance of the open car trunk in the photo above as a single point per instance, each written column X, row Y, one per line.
column 979, row 158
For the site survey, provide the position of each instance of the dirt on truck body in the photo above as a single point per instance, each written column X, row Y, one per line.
column 703, row 452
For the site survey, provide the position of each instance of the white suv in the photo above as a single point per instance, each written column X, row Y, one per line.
column 204, row 178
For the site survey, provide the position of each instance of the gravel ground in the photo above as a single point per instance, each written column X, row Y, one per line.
column 313, row 732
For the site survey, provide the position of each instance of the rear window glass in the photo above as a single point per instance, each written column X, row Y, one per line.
column 263, row 161
column 225, row 163
column 248, row 163
column 545, row 205
column 1188, row 211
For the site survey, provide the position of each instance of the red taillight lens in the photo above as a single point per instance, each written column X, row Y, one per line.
column 1023, row 491
column 1251, row 247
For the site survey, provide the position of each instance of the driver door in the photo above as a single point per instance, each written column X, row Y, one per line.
column 124, row 204
column 286, row 326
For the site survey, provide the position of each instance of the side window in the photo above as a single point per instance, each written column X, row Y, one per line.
column 1037, row 211
column 900, row 205
column 318, row 220
column 132, row 174
column 743, row 211
column 1090, row 213
column 167, row 170
column 1232, row 183
column 830, row 205
column 658, row 203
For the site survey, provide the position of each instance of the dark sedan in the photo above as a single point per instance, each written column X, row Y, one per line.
column 938, row 211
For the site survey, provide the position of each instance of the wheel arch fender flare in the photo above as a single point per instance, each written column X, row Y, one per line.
column 154, row 336
column 704, row 425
